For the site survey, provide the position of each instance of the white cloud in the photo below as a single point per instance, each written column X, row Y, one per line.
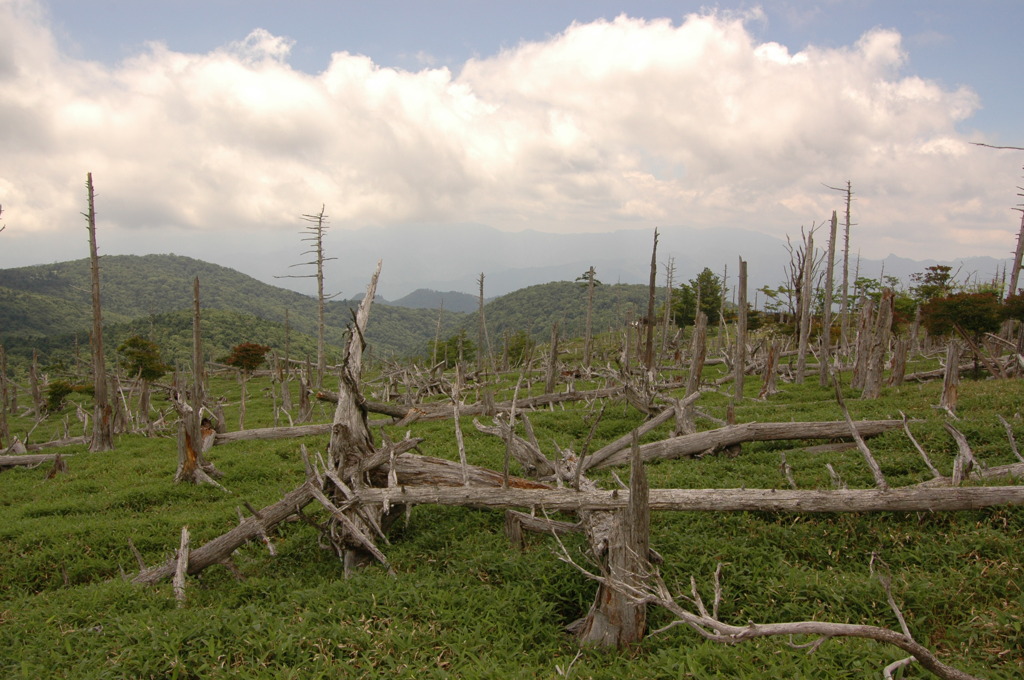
column 609, row 124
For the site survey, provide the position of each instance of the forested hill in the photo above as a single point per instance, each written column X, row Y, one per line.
column 48, row 307
column 536, row 308
column 49, row 301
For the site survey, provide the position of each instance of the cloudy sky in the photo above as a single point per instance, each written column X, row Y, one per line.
column 208, row 123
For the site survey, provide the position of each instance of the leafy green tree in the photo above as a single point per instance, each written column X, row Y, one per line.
column 684, row 307
column 934, row 282
column 247, row 356
column 972, row 314
column 141, row 357
column 520, row 345
column 455, row 348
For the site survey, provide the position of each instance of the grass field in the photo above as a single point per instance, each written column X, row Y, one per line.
column 464, row 602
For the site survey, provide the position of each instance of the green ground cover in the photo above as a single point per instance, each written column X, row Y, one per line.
column 466, row 604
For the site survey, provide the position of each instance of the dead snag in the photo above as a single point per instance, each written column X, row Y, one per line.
column 192, row 440
column 103, row 417
column 951, row 378
column 879, row 345
column 620, row 541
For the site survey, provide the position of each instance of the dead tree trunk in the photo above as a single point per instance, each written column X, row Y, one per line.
column 879, row 345
column 589, row 339
column 844, row 304
column 698, row 350
column 951, row 377
column 771, row 361
column 34, row 388
column 740, row 358
column 192, row 444
column 863, row 342
column 315, row 233
column 731, row 435
column 899, row 361
column 552, row 371
column 622, row 541
column 824, row 358
column 806, row 276
column 651, row 289
column 1018, row 256
column 484, row 354
column 5, row 432
column 102, row 420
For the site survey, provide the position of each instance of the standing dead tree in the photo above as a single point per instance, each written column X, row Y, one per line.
column 740, row 357
column 103, row 415
column 824, row 357
column 315, row 233
column 801, row 274
column 844, row 304
column 588, row 342
column 651, row 290
column 193, row 441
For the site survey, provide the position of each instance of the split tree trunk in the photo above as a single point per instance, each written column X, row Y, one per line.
column 878, row 347
column 621, row 539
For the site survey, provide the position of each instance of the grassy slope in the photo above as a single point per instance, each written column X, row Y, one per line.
column 465, row 604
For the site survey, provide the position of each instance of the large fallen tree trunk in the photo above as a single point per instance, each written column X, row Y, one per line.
column 712, row 440
column 409, row 470
column 219, row 549
column 445, row 410
column 912, row 499
column 270, row 433
column 29, row 460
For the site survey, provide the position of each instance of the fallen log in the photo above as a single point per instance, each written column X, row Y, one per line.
column 220, row 548
column 409, row 469
column 57, row 443
column 270, row 433
column 28, row 460
column 730, row 435
column 912, row 499
column 445, row 410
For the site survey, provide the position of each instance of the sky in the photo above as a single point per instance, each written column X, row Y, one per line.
column 213, row 125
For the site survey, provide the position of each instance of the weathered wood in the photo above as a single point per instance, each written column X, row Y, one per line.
column 825, row 358
column 272, row 433
column 806, row 276
column 103, row 417
column 57, row 443
column 410, row 470
column 623, row 442
column 876, row 470
column 181, row 567
column 913, row 499
column 444, row 410
column 615, row 619
column 879, row 345
column 28, row 460
column 527, row 454
column 950, row 378
column 740, row 358
column 711, row 440
column 698, row 351
column 220, row 548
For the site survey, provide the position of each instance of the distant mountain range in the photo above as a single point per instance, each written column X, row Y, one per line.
column 452, row 258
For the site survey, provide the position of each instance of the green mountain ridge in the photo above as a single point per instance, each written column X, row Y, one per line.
column 48, row 308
